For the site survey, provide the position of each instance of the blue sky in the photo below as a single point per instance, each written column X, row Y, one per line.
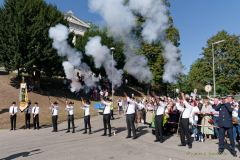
column 196, row 20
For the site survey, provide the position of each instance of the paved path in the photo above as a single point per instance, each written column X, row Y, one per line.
column 43, row 144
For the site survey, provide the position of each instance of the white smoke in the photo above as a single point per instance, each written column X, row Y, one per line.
column 156, row 16
column 120, row 23
column 102, row 57
column 120, row 20
column 154, row 29
column 59, row 34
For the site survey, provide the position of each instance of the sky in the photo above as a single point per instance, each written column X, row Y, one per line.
column 196, row 20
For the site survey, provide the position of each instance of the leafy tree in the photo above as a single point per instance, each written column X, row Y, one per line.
column 24, row 42
column 227, row 63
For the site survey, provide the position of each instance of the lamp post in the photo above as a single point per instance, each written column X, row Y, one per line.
column 213, row 61
column 112, row 50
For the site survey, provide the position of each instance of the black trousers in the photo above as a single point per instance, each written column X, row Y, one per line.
column 87, row 123
column 36, row 121
column 71, row 119
column 106, row 123
column 184, row 131
column 13, row 119
column 54, row 123
column 222, row 131
column 27, row 120
column 130, row 118
column 111, row 112
column 159, row 127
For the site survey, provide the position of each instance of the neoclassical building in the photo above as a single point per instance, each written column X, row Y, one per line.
column 76, row 26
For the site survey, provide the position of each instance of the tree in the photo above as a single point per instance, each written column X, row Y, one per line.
column 227, row 63
column 24, row 42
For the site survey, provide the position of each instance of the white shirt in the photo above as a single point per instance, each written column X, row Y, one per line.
column 13, row 109
column 140, row 106
column 69, row 109
column 131, row 106
column 106, row 94
column 28, row 110
column 35, row 110
column 161, row 108
column 186, row 112
column 86, row 109
column 194, row 115
column 235, row 112
column 107, row 107
column 54, row 110
column 120, row 103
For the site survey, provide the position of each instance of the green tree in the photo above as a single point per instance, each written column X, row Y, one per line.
column 24, row 40
column 227, row 63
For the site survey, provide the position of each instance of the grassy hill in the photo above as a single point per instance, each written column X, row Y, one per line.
column 53, row 89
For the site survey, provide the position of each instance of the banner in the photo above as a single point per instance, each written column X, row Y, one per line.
column 23, row 96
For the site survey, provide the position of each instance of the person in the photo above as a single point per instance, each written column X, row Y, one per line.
column 236, row 126
column 54, row 108
column 13, row 115
column 207, row 128
column 28, row 112
column 194, row 119
column 161, row 109
column 225, row 124
column 120, row 106
column 106, row 116
column 185, row 110
column 215, row 117
column 35, row 113
column 87, row 121
column 111, row 112
column 70, row 110
column 139, row 114
column 130, row 117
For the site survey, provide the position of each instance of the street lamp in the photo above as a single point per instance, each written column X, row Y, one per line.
column 213, row 61
column 112, row 50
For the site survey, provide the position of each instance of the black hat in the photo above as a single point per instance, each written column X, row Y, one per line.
column 231, row 96
column 71, row 102
column 13, row 102
column 55, row 102
column 36, row 102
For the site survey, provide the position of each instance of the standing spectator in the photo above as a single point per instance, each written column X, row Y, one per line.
column 207, row 128
column 236, row 126
column 194, row 119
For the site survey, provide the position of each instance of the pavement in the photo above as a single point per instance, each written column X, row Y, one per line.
column 43, row 144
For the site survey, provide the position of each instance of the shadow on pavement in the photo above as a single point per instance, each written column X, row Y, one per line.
column 22, row 154
column 4, row 110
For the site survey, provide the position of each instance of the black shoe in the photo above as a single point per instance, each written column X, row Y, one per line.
column 73, row 131
column 161, row 141
column 90, row 133
column 181, row 145
column 220, row 152
column 110, row 135
column 135, row 137
column 156, row 140
column 11, row 129
column 189, row 146
column 128, row 137
column 68, row 131
column 84, row 132
column 104, row 134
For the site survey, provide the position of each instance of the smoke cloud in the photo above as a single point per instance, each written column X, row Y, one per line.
column 120, row 21
column 102, row 57
column 59, row 34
